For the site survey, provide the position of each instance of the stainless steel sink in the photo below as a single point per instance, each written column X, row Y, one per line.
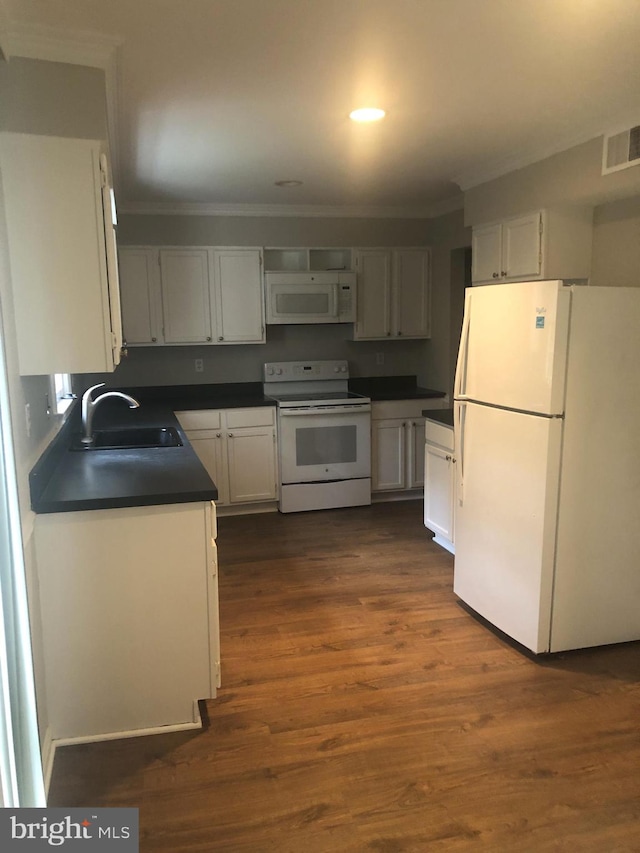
column 130, row 439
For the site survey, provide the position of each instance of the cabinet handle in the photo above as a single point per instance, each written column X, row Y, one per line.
column 448, row 458
column 221, row 338
column 218, row 434
column 388, row 334
column 209, row 338
column 230, row 435
column 496, row 275
column 153, row 340
column 504, row 273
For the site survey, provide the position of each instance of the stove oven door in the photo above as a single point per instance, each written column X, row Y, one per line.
column 322, row 444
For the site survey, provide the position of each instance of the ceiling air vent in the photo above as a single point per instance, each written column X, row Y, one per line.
column 621, row 150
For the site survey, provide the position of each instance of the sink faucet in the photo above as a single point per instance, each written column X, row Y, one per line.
column 89, row 407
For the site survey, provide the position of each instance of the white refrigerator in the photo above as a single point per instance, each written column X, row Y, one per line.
column 547, row 436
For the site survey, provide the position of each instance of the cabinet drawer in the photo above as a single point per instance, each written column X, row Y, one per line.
column 261, row 416
column 439, row 434
column 385, row 409
column 199, row 419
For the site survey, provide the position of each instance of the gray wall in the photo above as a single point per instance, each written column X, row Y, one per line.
column 616, row 243
column 571, row 177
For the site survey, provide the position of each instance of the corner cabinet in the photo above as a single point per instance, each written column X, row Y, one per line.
column 540, row 245
column 177, row 296
column 394, row 292
column 61, row 239
column 141, row 641
column 397, row 444
column 439, row 483
column 238, row 449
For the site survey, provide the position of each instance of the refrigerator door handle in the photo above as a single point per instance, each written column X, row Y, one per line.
column 460, row 382
column 460, row 413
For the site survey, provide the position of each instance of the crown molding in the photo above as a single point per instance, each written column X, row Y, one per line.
column 276, row 210
column 74, row 47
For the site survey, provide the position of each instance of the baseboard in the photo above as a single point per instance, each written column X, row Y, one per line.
column 47, row 752
column 152, row 730
column 404, row 495
column 246, row 509
column 444, row 543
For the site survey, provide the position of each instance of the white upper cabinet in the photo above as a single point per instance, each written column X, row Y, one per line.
column 62, row 253
column 393, row 294
column 374, row 294
column 140, row 294
column 545, row 244
column 412, row 293
column 192, row 295
column 186, row 307
column 238, row 296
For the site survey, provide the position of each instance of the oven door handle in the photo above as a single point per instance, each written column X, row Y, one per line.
column 328, row 410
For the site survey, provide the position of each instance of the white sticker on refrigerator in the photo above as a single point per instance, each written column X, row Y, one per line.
column 539, row 322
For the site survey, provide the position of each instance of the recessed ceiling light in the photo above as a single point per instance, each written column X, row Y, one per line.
column 367, row 114
column 288, row 183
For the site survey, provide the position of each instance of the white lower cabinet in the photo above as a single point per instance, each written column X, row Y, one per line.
column 397, row 444
column 238, row 449
column 129, row 601
column 440, row 483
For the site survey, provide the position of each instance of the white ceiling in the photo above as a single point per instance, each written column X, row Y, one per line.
column 218, row 99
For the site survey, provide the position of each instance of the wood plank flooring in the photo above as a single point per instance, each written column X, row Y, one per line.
column 363, row 709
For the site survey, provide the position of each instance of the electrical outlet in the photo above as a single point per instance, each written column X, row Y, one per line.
column 379, row 358
column 199, row 362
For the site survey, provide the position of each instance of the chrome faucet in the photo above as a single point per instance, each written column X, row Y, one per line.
column 89, row 407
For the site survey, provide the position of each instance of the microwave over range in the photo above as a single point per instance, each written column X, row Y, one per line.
column 310, row 297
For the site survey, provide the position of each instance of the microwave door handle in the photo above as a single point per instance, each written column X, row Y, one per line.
column 334, row 306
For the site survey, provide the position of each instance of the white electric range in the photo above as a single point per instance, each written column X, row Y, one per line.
column 324, row 435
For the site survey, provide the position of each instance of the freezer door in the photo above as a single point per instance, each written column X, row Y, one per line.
column 507, row 498
column 513, row 350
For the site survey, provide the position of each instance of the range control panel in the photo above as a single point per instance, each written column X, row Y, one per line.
column 299, row 371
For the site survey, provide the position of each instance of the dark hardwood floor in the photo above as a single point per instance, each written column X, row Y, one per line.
column 363, row 709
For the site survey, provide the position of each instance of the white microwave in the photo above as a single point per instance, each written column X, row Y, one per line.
column 322, row 297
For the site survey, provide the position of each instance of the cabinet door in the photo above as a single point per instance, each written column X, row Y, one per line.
column 251, row 453
column 55, row 225
column 209, row 446
column 374, row 295
column 439, row 479
column 411, row 293
column 140, row 293
column 486, row 253
column 388, row 463
column 239, row 296
column 522, row 248
column 415, row 454
column 185, row 295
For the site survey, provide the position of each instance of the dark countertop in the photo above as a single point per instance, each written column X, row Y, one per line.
column 392, row 388
column 181, row 398
column 439, row 416
column 67, row 481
